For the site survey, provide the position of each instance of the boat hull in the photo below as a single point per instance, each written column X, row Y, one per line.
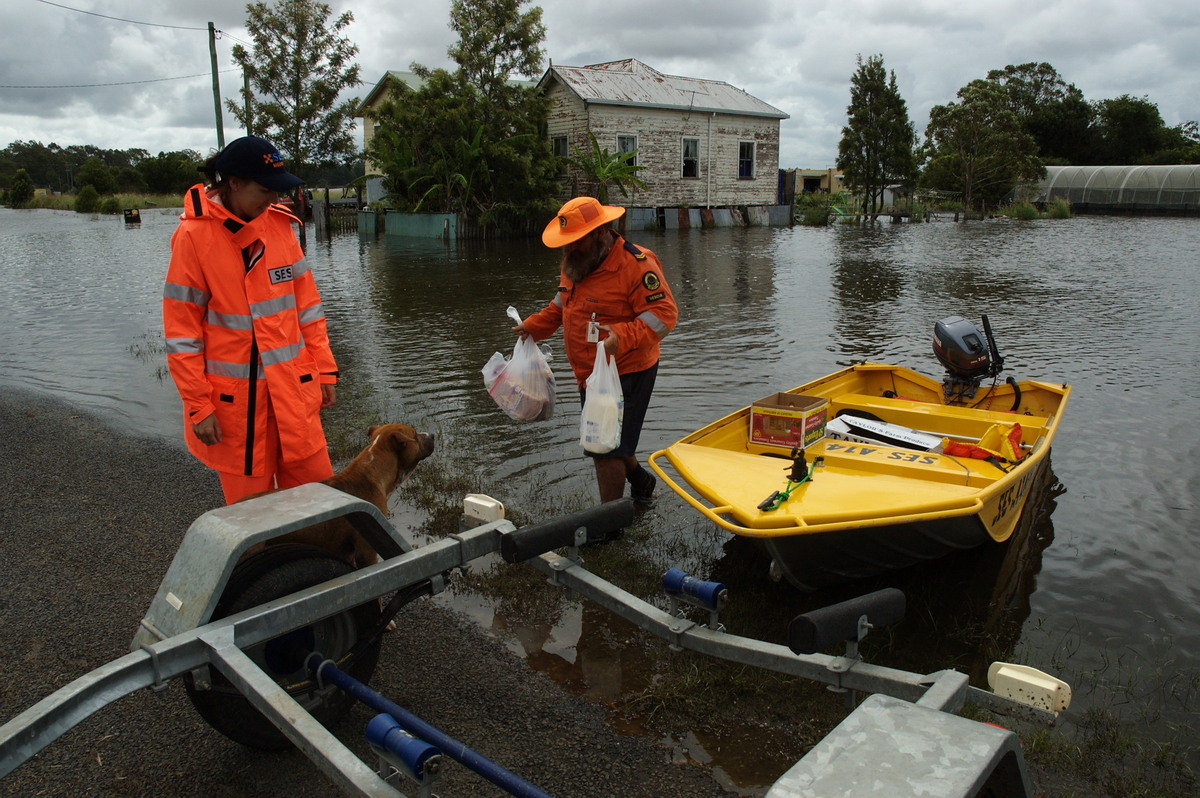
column 812, row 562
column 869, row 506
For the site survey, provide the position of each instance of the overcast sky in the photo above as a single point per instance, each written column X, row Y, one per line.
column 797, row 55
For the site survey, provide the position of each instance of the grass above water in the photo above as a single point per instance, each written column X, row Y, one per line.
column 111, row 204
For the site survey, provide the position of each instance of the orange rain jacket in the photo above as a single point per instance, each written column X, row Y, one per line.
column 627, row 292
column 243, row 322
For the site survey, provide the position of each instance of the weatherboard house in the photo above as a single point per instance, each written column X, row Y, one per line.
column 705, row 145
column 709, row 151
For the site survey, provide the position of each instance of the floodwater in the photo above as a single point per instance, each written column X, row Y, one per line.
column 1101, row 589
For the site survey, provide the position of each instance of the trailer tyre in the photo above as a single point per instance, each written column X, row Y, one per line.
column 270, row 574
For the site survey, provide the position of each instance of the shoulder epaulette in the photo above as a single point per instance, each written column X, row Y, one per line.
column 633, row 250
column 195, row 198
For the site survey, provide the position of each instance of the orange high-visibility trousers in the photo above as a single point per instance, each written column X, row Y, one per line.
column 279, row 474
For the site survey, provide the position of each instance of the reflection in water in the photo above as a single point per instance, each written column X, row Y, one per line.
column 866, row 284
column 762, row 310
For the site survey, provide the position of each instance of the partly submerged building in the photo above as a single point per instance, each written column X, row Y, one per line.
column 704, row 145
column 709, row 150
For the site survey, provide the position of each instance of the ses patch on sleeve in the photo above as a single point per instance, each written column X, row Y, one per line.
column 651, row 282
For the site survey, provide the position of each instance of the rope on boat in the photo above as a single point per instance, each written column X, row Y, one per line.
column 797, row 477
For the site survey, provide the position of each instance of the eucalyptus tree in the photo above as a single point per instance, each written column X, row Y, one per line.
column 96, row 174
column 472, row 140
column 298, row 68
column 1131, row 129
column 878, row 143
column 1051, row 110
column 978, row 146
column 497, row 42
column 170, row 172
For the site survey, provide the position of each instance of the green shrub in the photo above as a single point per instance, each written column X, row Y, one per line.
column 1058, row 208
column 110, row 205
column 1023, row 210
column 87, row 200
column 815, row 216
column 20, row 192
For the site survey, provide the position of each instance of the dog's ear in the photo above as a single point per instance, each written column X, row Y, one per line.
column 372, row 430
column 398, row 436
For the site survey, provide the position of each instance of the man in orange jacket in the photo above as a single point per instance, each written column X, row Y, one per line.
column 245, row 334
column 612, row 291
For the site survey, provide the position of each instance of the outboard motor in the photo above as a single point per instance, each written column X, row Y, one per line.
column 967, row 355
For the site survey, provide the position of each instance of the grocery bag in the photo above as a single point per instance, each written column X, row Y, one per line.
column 523, row 384
column 603, row 406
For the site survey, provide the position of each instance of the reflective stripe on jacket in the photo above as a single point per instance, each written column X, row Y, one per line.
column 626, row 292
column 244, row 328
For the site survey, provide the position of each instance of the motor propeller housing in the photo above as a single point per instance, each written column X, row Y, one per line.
column 967, row 354
column 961, row 348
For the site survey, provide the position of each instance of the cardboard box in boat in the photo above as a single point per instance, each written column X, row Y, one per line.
column 788, row 419
column 861, row 430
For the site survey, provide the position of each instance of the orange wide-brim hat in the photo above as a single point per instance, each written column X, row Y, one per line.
column 576, row 219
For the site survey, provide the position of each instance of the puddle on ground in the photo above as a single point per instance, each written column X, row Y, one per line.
column 598, row 655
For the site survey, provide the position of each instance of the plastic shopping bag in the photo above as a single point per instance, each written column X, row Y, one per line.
column 603, row 407
column 522, row 385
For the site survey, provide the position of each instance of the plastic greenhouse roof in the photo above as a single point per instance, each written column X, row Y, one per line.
column 1177, row 184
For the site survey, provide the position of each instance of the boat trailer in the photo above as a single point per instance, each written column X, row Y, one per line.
column 904, row 735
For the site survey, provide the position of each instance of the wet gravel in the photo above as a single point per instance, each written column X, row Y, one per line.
column 89, row 521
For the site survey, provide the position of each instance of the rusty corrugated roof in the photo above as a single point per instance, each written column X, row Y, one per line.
column 630, row 82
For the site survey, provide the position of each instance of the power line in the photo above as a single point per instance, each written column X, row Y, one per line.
column 120, row 19
column 148, row 24
column 132, row 22
column 122, row 83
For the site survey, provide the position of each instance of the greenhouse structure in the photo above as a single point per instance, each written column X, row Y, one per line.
column 1171, row 190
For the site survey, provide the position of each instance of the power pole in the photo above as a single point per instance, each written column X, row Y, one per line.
column 249, row 108
column 212, row 54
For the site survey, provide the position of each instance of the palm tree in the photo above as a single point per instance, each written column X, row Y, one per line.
column 603, row 167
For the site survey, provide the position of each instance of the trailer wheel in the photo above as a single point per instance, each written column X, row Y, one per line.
column 270, row 574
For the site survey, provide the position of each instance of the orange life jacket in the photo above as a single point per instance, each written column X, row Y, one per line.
column 627, row 292
column 244, row 326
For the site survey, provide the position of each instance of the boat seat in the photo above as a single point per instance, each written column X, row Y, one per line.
column 901, row 462
column 933, row 418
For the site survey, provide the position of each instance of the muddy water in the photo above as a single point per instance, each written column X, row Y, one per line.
column 1101, row 589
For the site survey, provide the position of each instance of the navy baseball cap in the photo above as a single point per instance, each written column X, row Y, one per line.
column 256, row 159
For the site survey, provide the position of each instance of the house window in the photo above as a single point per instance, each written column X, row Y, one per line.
column 558, row 146
column 745, row 160
column 628, row 144
column 691, row 157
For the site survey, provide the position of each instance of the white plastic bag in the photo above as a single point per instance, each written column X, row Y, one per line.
column 604, row 406
column 523, row 385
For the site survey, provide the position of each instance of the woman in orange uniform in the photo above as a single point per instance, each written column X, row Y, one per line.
column 245, row 333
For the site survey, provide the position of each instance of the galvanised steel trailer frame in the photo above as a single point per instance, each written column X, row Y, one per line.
column 176, row 637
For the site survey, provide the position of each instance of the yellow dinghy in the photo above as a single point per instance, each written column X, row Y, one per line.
column 906, row 486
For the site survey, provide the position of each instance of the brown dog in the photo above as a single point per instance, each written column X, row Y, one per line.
column 392, row 455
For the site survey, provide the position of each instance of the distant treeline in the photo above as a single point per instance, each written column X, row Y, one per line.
column 68, row 169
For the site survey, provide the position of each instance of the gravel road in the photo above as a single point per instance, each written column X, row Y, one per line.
column 89, row 521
